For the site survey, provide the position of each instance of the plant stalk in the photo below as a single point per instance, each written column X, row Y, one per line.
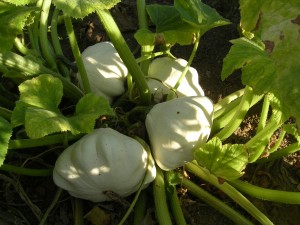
column 171, row 94
column 238, row 117
column 160, row 199
column 47, row 140
column 175, row 203
column 30, row 68
column 146, row 50
column 26, row 171
column 77, row 54
column 215, row 202
column 286, row 197
column 126, row 55
column 230, row 191
column 56, row 44
column 43, row 34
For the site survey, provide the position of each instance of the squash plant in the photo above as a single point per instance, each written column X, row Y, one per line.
column 49, row 109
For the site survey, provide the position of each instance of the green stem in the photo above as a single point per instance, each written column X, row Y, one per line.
column 256, row 145
column 34, row 29
column 140, row 208
column 142, row 185
column 223, row 103
column 230, row 191
column 48, row 140
column 215, row 202
column 278, row 142
column 171, row 94
column 52, row 205
column 21, row 47
column 229, row 113
column 286, row 197
column 125, row 54
column 78, row 211
column 152, row 55
column 26, row 171
column 5, row 113
column 175, row 203
column 238, row 117
column 43, row 34
column 32, row 68
column 77, row 54
column 263, row 114
column 160, row 199
column 280, row 153
column 56, row 44
column 146, row 50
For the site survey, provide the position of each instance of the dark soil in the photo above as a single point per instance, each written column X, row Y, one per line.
column 24, row 200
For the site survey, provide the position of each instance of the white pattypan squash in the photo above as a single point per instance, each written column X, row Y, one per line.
column 168, row 71
column 105, row 69
column 104, row 160
column 176, row 126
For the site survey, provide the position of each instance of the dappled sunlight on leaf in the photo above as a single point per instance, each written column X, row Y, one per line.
column 225, row 161
column 38, row 109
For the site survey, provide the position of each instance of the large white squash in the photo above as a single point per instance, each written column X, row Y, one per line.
column 176, row 126
column 166, row 72
column 105, row 69
column 104, row 160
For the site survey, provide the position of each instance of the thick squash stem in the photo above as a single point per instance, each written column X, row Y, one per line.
column 160, row 199
column 26, row 171
column 43, row 34
column 230, row 191
column 146, row 50
column 77, row 55
column 126, row 55
column 239, row 115
column 215, row 202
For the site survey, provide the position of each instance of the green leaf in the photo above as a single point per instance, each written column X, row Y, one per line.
column 170, row 28
column 81, row 8
column 5, row 134
column 20, row 2
column 276, row 70
column 15, row 18
column 199, row 15
column 258, row 68
column 225, row 161
column 38, row 109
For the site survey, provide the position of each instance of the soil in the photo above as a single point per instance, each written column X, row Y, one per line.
column 25, row 199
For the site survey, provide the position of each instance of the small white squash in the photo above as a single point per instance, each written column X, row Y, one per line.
column 168, row 71
column 104, row 160
column 105, row 69
column 176, row 126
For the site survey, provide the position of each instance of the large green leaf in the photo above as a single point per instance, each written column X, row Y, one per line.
column 276, row 68
column 225, row 161
column 5, row 134
column 13, row 18
column 81, row 8
column 199, row 15
column 20, row 2
column 169, row 27
column 38, row 109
